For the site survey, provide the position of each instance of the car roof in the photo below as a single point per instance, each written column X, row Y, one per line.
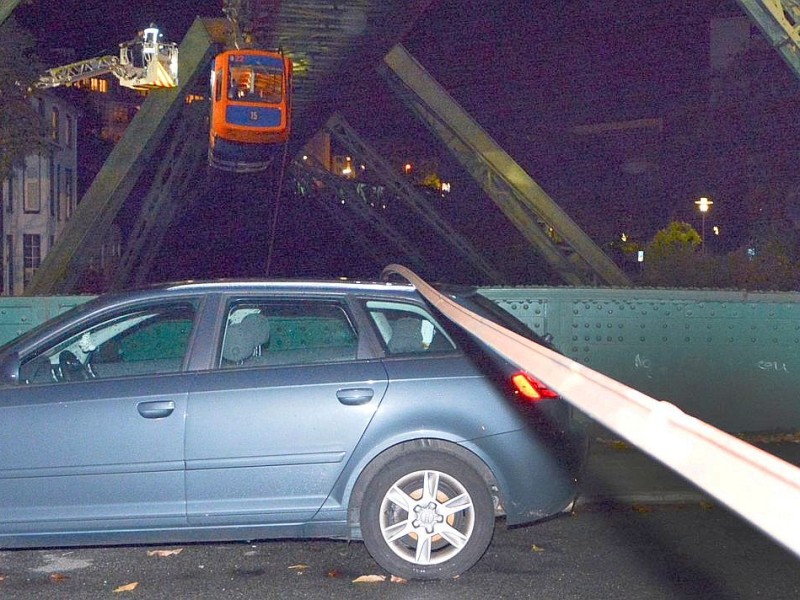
column 307, row 285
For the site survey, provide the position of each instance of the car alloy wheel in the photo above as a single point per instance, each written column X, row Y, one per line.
column 427, row 517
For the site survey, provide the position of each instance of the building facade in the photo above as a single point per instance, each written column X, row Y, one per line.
column 39, row 197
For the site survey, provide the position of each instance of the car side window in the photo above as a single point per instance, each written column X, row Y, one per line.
column 263, row 333
column 408, row 329
column 142, row 341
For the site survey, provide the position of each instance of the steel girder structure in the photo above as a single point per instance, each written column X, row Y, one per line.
column 344, row 135
column 779, row 20
column 563, row 244
column 6, row 8
column 66, row 262
column 313, row 181
column 173, row 187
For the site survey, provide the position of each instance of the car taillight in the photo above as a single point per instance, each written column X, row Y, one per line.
column 531, row 388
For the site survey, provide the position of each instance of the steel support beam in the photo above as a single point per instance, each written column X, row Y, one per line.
column 6, row 8
column 330, row 192
column 175, row 182
column 344, row 135
column 544, row 224
column 68, row 259
column 779, row 20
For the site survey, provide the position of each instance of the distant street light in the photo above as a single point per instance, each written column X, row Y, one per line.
column 703, row 205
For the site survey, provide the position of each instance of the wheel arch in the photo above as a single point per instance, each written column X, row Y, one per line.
column 415, row 445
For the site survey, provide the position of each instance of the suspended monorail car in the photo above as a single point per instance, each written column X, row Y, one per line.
column 251, row 109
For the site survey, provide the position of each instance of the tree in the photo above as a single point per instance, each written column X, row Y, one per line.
column 21, row 128
column 671, row 258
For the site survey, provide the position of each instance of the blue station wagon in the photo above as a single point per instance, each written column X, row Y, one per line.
column 256, row 410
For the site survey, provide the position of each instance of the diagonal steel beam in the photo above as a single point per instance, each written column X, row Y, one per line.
column 779, row 20
column 544, row 224
column 68, row 259
column 333, row 193
column 6, row 8
column 346, row 136
column 174, row 183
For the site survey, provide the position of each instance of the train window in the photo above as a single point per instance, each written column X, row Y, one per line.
column 256, row 84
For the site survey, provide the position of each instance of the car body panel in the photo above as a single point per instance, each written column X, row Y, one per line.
column 62, row 466
column 243, row 459
column 266, row 451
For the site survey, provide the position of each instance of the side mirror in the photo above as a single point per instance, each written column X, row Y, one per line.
column 9, row 369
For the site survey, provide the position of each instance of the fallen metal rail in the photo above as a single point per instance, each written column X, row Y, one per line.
column 760, row 487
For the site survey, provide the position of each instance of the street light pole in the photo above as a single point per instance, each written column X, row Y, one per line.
column 703, row 205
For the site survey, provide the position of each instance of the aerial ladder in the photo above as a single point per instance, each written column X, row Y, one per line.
column 144, row 63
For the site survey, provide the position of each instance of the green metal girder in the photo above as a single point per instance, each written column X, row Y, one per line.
column 6, row 8
column 174, row 184
column 727, row 357
column 346, row 136
column 778, row 20
column 544, row 224
column 68, row 259
column 336, row 192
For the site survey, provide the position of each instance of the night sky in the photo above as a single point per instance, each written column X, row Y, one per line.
column 528, row 70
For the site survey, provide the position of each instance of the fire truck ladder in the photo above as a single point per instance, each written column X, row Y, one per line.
column 63, row 266
column 563, row 244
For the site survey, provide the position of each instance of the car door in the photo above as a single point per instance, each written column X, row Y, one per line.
column 271, row 427
column 92, row 437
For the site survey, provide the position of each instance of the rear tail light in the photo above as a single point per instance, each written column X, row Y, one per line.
column 531, row 388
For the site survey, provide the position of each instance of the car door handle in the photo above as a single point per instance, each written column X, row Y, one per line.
column 156, row 410
column 354, row 396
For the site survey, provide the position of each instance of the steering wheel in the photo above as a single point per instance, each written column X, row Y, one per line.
column 72, row 369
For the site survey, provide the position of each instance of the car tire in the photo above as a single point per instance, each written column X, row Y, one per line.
column 427, row 515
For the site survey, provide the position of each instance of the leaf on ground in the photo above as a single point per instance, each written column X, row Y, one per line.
column 535, row 548
column 370, row 579
column 641, row 508
column 58, row 577
column 164, row 553
column 706, row 505
column 128, row 587
column 333, row 574
column 2, row 577
column 396, row 579
column 299, row 568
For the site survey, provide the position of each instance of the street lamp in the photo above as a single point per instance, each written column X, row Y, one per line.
column 703, row 205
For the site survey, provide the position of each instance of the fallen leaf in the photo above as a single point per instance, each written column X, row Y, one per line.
column 706, row 506
column 641, row 508
column 128, row 587
column 370, row 579
column 535, row 548
column 2, row 577
column 58, row 577
column 164, row 553
column 299, row 568
column 396, row 579
column 333, row 573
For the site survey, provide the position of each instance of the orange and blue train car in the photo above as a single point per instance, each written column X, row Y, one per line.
column 250, row 109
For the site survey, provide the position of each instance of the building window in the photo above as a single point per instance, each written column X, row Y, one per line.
column 10, row 263
column 52, row 173
column 31, row 256
column 31, row 190
column 69, row 186
column 10, row 195
column 54, row 125
column 59, row 203
column 68, row 136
